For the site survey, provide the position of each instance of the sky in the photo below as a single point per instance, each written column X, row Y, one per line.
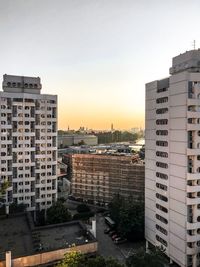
column 96, row 55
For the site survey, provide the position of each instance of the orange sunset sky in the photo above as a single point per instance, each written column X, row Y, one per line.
column 96, row 55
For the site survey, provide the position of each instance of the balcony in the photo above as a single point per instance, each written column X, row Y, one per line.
column 193, row 127
column 192, row 201
column 193, row 188
column 193, row 151
column 193, row 102
column 193, row 114
column 191, row 251
column 193, row 238
column 193, row 226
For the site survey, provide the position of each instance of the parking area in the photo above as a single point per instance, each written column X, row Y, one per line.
column 107, row 248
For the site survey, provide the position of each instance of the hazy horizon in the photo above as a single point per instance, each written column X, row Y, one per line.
column 96, row 55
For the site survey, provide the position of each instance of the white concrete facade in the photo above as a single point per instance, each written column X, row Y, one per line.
column 172, row 163
column 28, row 143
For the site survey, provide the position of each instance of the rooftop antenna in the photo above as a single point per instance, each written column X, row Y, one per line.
column 194, row 44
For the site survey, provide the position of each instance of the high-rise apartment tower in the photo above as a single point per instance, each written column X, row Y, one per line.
column 172, row 164
column 28, row 142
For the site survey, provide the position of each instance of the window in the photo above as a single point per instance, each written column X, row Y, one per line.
column 160, row 90
column 162, row 122
column 162, row 165
column 161, row 110
column 162, row 219
column 161, row 154
column 158, row 206
column 161, row 186
column 161, row 143
column 162, row 241
column 162, row 100
column 161, row 229
column 161, row 197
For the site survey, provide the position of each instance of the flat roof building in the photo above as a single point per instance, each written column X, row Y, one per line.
column 76, row 139
column 98, row 178
column 28, row 142
column 37, row 246
column 172, row 161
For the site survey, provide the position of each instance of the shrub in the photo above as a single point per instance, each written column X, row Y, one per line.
column 83, row 208
column 83, row 215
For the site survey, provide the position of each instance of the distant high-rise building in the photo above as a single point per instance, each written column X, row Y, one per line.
column 172, row 167
column 112, row 127
column 28, row 145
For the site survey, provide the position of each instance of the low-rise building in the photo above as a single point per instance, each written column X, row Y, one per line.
column 76, row 139
column 41, row 246
column 98, row 177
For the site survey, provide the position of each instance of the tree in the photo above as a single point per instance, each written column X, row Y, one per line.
column 57, row 213
column 83, row 208
column 128, row 214
column 4, row 187
column 76, row 259
column 114, row 208
column 81, row 143
column 72, row 259
column 83, row 215
column 131, row 224
column 15, row 208
column 102, row 262
column 154, row 258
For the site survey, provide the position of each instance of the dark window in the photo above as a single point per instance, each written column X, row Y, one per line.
column 162, row 122
column 162, row 241
column 161, row 132
column 162, row 100
column 161, row 154
column 162, row 175
column 161, row 110
column 161, row 197
column 161, row 229
column 162, row 165
column 161, row 143
column 162, row 219
column 158, row 206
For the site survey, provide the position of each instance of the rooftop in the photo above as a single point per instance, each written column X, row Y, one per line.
column 17, row 235
column 21, row 84
column 190, row 61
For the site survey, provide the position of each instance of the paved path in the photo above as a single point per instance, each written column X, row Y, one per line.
column 106, row 247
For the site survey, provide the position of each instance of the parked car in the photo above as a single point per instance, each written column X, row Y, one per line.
column 79, row 199
column 120, row 240
column 115, row 236
column 107, row 230
column 111, row 233
column 70, row 197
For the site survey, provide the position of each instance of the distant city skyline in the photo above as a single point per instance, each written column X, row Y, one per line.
column 96, row 55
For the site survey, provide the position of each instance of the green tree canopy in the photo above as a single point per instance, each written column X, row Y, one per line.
column 154, row 258
column 76, row 259
column 57, row 213
column 116, row 136
column 3, row 187
column 83, row 208
column 128, row 215
column 72, row 259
